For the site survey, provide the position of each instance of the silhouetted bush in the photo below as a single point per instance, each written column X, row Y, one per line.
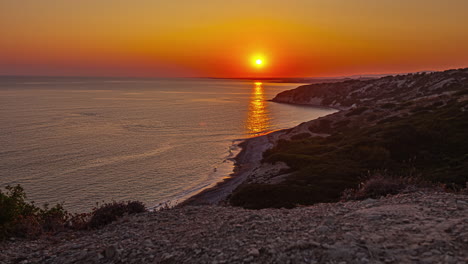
column 23, row 219
column 380, row 185
column 109, row 212
column 374, row 187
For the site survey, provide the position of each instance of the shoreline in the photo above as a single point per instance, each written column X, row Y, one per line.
column 245, row 162
column 337, row 108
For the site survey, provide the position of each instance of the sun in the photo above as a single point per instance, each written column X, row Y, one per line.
column 258, row 61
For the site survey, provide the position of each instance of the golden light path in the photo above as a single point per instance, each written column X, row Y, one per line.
column 258, row 120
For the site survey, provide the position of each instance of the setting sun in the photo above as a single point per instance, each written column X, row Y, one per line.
column 258, row 61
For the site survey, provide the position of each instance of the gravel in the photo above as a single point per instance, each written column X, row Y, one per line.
column 422, row 227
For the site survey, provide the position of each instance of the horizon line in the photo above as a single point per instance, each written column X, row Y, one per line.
column 365, row 75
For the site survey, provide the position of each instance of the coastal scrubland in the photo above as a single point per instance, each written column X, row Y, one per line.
column 22, row 218
column 412, row 126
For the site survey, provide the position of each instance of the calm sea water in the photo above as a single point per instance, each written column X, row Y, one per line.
column 87, row 140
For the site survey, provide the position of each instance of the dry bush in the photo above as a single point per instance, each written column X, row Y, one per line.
column 24, row 219
column 109, row 212
column 380, row 185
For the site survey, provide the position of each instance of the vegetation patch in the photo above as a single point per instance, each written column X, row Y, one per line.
column 109, row 212
column 19, row 218
column 380, row 185
column 432, row 144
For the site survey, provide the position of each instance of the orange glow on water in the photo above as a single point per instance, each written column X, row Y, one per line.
column 258, row 120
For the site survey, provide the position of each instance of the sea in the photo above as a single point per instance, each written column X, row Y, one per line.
column 82, row 141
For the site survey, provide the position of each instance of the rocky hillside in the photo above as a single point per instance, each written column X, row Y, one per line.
column 409, row 126
column 422, row 227
column 401, row 88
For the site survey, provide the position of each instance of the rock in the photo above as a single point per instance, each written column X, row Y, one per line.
column 322, row 229
column 110, row 251
column 254, row 252
column 373, row 217
column 148, row 243
column 248, row 259
column 340, row 253
column 369, row 201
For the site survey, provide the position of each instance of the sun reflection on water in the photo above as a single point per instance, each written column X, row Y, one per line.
column 258, row 120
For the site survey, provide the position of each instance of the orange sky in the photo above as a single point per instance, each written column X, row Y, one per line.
column 213, row 38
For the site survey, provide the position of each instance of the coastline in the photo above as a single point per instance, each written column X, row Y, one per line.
column 358, row 104
column 314, row 105
column 248, row 160
column 248, row 166
column 245, row 162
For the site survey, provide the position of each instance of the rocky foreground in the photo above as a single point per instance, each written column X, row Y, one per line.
column 420, row 227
